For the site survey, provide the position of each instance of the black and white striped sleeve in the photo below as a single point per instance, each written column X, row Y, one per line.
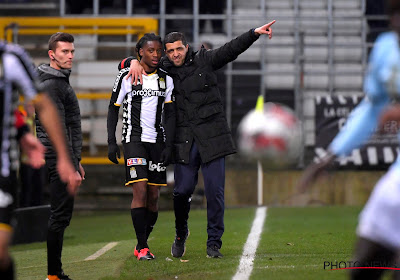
column 120, row 89
column 23, row 72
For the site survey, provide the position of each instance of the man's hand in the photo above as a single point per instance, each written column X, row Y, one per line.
column 166, row 155
column 82, row 171
column 313, row 171
column 265, row 29
column 69, row 175
column 75, row 180
column 34, row 149
column 113, row 153
column 136, row 70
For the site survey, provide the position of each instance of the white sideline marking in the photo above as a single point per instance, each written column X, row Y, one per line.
column 250, row 247
column 100, row 252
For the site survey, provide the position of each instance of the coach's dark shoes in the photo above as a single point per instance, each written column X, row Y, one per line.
column 213, row 252
column 178, row 248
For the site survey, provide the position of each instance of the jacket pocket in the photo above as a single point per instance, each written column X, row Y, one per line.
column 208, row 111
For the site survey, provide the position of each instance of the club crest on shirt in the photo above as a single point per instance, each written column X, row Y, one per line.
column 133, row 173
column 136, row 161
column 161, row 82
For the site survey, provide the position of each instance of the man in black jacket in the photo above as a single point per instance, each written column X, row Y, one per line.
column 203, row 137
column 54, row 77
column 18, row 76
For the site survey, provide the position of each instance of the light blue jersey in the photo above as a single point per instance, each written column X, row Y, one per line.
column 381, row 84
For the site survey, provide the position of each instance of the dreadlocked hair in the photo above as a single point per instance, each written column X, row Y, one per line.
column 146, row 38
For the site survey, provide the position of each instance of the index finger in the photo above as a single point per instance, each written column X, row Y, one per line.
column 270, row 23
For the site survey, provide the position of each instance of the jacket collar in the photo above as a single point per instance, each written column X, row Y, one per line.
column 47, row 70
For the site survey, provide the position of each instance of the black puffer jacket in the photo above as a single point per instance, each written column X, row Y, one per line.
column 200, row 114
column 56, row 83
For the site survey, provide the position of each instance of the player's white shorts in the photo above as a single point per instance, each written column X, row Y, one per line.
column 380, row 219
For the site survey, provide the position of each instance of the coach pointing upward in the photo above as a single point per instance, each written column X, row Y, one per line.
column 203, row 137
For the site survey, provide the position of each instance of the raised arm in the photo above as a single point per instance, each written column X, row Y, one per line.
column 231, row 50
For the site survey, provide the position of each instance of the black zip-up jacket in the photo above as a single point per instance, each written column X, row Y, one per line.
column 56, row 83
column 199, row 109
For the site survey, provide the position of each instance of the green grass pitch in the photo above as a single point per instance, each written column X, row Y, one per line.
column 294, row 244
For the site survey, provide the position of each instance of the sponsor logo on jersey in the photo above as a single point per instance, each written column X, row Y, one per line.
column 136, row 161
column 162, row 83
column 148, row 93
column 133, row 173
column 156, row 167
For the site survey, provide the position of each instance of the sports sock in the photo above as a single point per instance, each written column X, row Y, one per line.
column 151, row 221
column 181, row 210
column 8, row 273
column 139, row 223
column 54, row 250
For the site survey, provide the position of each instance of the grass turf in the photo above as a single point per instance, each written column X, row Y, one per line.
column 294, row 245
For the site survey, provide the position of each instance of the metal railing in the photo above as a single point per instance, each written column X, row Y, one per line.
column 298, row 30
column 12, row 27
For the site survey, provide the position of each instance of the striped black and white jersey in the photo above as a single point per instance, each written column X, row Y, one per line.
column 18, row 75
column 142, row 105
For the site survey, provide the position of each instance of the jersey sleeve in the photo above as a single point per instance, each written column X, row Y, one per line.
column 390, row 75
column 383, row 75
column 359, row 127
column 121, row 88
column 20, row 75
column 169, row 90
column 381, row 84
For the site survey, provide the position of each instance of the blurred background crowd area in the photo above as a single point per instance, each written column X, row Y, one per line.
column 315, row 62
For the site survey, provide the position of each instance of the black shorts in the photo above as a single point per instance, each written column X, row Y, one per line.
column 8, row 187
column 142, row 163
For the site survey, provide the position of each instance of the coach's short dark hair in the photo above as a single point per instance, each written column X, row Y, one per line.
column 146, row 38
column 59, row 37
column 173, row 37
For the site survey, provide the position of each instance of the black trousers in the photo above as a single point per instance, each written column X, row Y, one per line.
column 32, row 181
column 186, row 176
column 61, row 206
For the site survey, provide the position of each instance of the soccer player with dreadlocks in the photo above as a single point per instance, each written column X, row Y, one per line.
column 147, row 146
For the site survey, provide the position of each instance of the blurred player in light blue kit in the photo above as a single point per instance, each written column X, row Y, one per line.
column 379, row 225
